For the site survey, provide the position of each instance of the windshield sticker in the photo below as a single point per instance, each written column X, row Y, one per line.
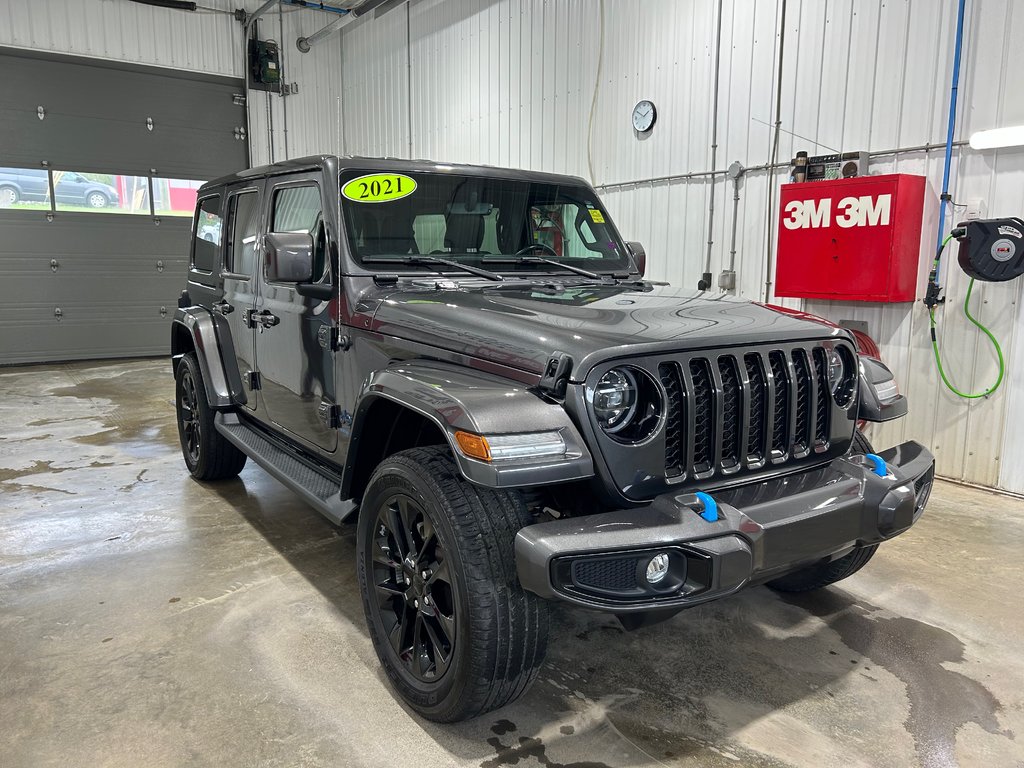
column 596, row 216
column 378, row 188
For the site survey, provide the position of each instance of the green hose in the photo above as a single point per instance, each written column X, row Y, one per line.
column 986, row 331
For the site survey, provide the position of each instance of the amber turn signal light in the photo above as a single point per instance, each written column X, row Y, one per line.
column 474, row 446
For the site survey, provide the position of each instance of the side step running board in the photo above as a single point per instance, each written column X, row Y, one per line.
column 319, row 490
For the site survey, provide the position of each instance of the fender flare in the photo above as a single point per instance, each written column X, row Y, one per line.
column 455, row 399
column 872, row 407
column 200, row 326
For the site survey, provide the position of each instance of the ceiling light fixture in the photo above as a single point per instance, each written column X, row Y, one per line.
column 1012, row 136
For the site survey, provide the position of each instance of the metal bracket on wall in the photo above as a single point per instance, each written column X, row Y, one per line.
column 239, row 133
column 159, row 266
column 41, row 112
column 149, row 123
column 54, row 265
column 58, row 313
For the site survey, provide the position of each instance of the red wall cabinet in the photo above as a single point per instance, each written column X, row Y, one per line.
column 850, row 239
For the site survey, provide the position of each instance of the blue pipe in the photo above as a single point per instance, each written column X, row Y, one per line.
column 314, row 5
column 949, row 129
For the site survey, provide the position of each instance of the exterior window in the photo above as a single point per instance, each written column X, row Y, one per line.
column 244, row 219
column 175, row 197
column 298, row 209
column 24, row 188
column 206, row 245
column 101, row 192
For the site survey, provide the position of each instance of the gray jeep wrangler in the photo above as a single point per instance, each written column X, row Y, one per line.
column 468, row 363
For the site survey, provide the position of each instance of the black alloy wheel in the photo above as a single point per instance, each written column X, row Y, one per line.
column 414, row 590
column 191, row 427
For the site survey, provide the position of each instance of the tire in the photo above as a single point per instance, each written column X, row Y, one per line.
column 823, row 574
column 97, row 200
column 207, row 453
column 462, row 540
column 8, row 197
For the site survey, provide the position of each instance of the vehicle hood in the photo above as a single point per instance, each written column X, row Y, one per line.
column 522, row 324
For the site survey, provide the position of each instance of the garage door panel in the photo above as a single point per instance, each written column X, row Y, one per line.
column 116, row 284
column 95, row 118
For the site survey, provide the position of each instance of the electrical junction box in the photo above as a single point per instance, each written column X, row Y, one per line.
column 264, row 65
column 853, row 239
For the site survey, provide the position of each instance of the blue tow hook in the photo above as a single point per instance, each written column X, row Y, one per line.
column 710, row 512
column 880, row 469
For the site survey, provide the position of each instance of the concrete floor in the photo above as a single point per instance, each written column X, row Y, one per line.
column 149, row 620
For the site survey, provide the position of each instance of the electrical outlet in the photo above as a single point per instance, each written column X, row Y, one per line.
column 727, row 280
column 975, row 209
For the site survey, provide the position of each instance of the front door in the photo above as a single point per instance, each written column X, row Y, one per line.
column 296, row 363
column 243, row 227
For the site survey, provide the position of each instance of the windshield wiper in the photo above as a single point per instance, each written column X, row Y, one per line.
column 424, row 259
column 541, row 260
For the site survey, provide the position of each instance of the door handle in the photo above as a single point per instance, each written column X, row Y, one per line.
column 223, row 307
column 266, row 319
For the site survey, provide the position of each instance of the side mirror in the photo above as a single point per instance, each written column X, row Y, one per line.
column 639, row 256
column 289, row 257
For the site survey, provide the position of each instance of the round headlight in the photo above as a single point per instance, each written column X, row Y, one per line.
column 627, row 405
column 836, row 370
column 615, row 399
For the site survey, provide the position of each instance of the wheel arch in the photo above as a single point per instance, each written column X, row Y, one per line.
column 415, row 404
column 193, row 330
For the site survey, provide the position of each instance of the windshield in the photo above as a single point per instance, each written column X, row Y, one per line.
column 477, row 221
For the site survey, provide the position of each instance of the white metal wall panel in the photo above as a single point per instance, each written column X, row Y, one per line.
column 123, row 31
column 510, row 82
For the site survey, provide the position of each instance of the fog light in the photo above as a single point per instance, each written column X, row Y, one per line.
column 657, row 568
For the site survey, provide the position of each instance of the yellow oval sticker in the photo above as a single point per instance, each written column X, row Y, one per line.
column 379, row 188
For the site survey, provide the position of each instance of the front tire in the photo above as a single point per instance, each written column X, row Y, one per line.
column 207, row 453
column 823, row 574
column 454, row 631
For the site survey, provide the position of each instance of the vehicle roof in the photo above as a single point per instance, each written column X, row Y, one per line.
column 335, row 163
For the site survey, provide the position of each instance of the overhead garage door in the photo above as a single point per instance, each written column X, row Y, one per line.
column 99, row 166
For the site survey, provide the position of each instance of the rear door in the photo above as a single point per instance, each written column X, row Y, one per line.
column 296, row 363
column 244, row 208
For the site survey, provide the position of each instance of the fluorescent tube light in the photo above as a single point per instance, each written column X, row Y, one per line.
column 1012, row 136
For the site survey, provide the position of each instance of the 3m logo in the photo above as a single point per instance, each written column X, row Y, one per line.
column 864, row 211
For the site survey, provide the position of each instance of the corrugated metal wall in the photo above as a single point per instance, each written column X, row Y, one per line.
column 511, row 82
column 123, row 31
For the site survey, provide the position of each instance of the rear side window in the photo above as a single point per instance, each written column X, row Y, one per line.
column 206, row 243
column 244, row 226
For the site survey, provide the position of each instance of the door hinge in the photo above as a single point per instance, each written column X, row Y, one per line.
column 332, row 338
column 253, row 380
column 330, row 414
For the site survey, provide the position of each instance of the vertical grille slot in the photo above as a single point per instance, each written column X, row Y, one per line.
column 822, row 410
column 675, row 450
column 802, row 438
column 731, row 412
column 758, row 403
column 780, row 425
column 704, row 414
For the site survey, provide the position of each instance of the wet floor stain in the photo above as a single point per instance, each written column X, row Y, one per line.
column 942, row 700
column 528, row 750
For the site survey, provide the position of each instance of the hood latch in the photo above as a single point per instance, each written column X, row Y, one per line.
column 555, row 378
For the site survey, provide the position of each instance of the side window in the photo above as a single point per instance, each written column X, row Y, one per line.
column 206, row 245
column 296, row 209
column 244, row 228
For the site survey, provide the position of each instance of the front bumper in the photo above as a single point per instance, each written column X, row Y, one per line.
column 763, row 530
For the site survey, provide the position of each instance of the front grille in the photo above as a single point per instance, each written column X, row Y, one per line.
column 729, row 412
